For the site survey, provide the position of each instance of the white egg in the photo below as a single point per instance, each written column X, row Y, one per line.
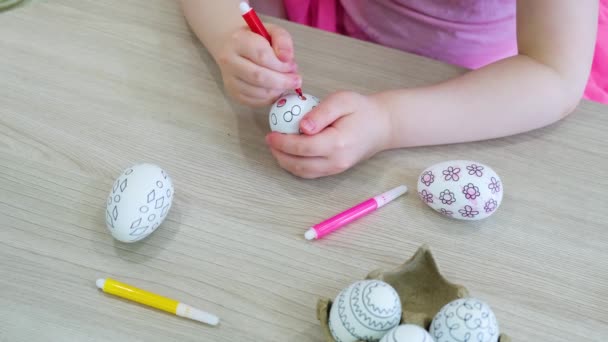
column 407, row 333
column 287, row 112
column 366, row 310
column 465, row 319
column 461, row 189
column 138, row 202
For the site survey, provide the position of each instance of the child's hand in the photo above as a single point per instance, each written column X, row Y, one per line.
column 344, row 129
column 255, row 73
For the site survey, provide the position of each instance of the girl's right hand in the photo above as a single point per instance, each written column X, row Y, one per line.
column 255, row 73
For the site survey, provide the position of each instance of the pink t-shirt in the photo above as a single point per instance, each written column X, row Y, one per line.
column 468, row 33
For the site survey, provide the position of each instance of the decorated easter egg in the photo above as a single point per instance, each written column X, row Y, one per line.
column 366, row 310
column 461, row 189
column 465, row 319
column 287, row 112
column 407, row 333
column 138, row 202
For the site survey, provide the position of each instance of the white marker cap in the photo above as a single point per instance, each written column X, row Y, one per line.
column 390, row 195
column 185, row 310
column 310, row 234
column 244, row 7
column 100, row 283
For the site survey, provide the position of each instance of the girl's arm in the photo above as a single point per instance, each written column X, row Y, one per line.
column 533, row 89
column 539, row 86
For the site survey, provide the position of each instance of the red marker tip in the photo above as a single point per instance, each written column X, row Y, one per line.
column 300, row 94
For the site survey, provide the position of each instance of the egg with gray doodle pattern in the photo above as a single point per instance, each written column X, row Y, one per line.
column 139, row 202
column 287, row 112
column 407, row 333
column 465, row 319
column 366, row 310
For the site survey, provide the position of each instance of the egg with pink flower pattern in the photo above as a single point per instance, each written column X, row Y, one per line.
column 461, row 189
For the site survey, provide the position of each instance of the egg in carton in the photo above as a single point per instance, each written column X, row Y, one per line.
column 423, row 291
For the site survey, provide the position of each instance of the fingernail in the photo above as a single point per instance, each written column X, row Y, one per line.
column 308, row 125
column 283, row 53
column 297, row 82
column 293, row 67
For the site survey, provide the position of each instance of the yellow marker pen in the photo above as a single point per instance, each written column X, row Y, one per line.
column 129, row 292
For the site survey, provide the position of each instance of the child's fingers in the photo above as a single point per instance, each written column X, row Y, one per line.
column 281, row 43
column 265, row 78
column 256, row 49
column 329, row 110
column 305, row 167
column 256, row 92
column 249, row 100
column 320, row 145
column 252, row 102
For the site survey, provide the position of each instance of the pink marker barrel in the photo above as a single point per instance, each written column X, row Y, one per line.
column 332, row 224
column 345, row 217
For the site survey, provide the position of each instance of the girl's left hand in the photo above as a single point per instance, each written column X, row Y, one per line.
column 342, row 130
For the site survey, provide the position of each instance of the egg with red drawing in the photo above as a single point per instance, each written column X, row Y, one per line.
column 461, row 189
column 287, row 112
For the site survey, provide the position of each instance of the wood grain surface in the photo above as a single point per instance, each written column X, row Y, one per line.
column 88, row 88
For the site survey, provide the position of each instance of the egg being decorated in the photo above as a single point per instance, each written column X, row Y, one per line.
column 138, row 202
column 407, row 333
column 465, row 319
column 366, row 310
column 287, row 112
column 461, row 189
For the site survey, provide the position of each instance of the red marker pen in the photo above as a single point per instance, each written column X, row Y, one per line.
column 255, row 24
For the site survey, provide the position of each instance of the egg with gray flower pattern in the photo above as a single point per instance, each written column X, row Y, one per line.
column 461, row 189
column 465, row 319
column 287, row 112
column 139, row 202
column 407, row 333
column 366, row 310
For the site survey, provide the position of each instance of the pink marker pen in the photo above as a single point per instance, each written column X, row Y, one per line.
column 354, row 213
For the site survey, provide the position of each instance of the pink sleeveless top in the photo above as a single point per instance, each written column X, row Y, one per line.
column 468, row 33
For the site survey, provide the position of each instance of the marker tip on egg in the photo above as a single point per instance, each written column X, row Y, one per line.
column 301, row 94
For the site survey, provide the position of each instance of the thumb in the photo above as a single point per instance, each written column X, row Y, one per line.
column 282, row 43
column 328, row 111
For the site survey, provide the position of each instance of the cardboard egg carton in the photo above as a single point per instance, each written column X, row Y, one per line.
column 422, row 289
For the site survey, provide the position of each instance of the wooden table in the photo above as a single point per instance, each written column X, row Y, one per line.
column 89, row 88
